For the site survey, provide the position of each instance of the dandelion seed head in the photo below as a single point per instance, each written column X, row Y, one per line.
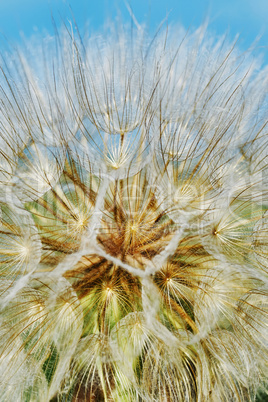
column 133, row 210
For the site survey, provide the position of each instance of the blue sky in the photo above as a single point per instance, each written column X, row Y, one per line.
column 249, row 18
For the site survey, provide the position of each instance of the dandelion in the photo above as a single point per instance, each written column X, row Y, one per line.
column 133, row 225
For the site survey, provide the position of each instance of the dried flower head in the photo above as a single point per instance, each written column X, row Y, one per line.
column 133, row 226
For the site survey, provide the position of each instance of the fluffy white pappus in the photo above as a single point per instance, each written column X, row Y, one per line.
column 133, row 218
